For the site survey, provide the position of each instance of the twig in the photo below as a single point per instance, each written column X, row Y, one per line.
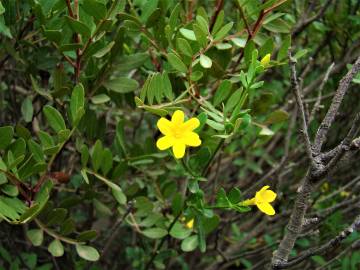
column 329, row 245
column 334, row 107
column 296, row 89
column 318, row 100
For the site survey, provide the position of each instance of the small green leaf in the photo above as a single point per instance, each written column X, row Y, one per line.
column 190, row 243
column 222, row 92
column 77, row 103
column 122, row 85
column 27, row 110
column 176, row 63
column 35, row 236
column 223, row 31
column 6, row 135
column 189, row 34
column 79, row 27
column 87, row 253
column 155, row 233
column 205, row 61
column 184, row 47
column 179, row 231
column 100, row 99
column 56, row 248
column 54, row 118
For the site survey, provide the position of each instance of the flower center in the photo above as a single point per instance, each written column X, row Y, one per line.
column 177, row 133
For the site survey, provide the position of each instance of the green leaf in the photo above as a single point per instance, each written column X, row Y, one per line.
column 119, row 196
column 87, row 253
column 6, row 135
column 100, row 53
column 35, row 236
column 190, row 243
column 223, row 31
column 54, row 118
column 53, row 35
column 79, row 27
column 277, row 26
column 27, row 110
column 218, row 23
column 184, row 47
column 200, row 35
column 196, row 75
column 86, row 236
column 77, row 103
column 222, row 92
column 122, row 85
column 176, row 63
column 155, row 233
column 95, row 9
column 233, row 100
column 100, row 99
column 36, row 150
column 205, row 61
column 189, row 34
column 179, row 231
column 56, row 248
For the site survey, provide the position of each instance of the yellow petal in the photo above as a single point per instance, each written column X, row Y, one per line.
column 191, row 139
column 164, row 126
column 165, row 142
column 177, row 118
column 266, row 60
column 190, row 224
column 179, row 149
column 265, row 195
column 191, row 124
column 269, row 195
column 266, row 208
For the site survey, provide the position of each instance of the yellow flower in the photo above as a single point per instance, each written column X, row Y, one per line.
column 190, row 224
column 265, row 60
column 262, row 200
column 178, row 134
column 344, row 194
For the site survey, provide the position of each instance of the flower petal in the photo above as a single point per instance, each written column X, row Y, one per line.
column 265, row 195
column 268, row 196
column 179, row 149
column 164, row 126
column 191, row 124
column 266, row 208
column 191, row 139
column 178, row 118
column 165, row 142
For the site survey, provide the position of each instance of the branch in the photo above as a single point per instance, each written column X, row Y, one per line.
column 333, row 243
column 299, row 101
column 305, row 23
column 334, row 107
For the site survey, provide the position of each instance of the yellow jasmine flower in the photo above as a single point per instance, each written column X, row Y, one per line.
column 190, row 224
column 265, row 60
column 262, row 200
column 178, row 134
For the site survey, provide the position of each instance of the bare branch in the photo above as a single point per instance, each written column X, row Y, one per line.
column 329, row 245
column 334, row 107
column 299, row 101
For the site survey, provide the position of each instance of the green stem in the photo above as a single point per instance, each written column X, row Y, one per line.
column 54, row 234
column 207, row 166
